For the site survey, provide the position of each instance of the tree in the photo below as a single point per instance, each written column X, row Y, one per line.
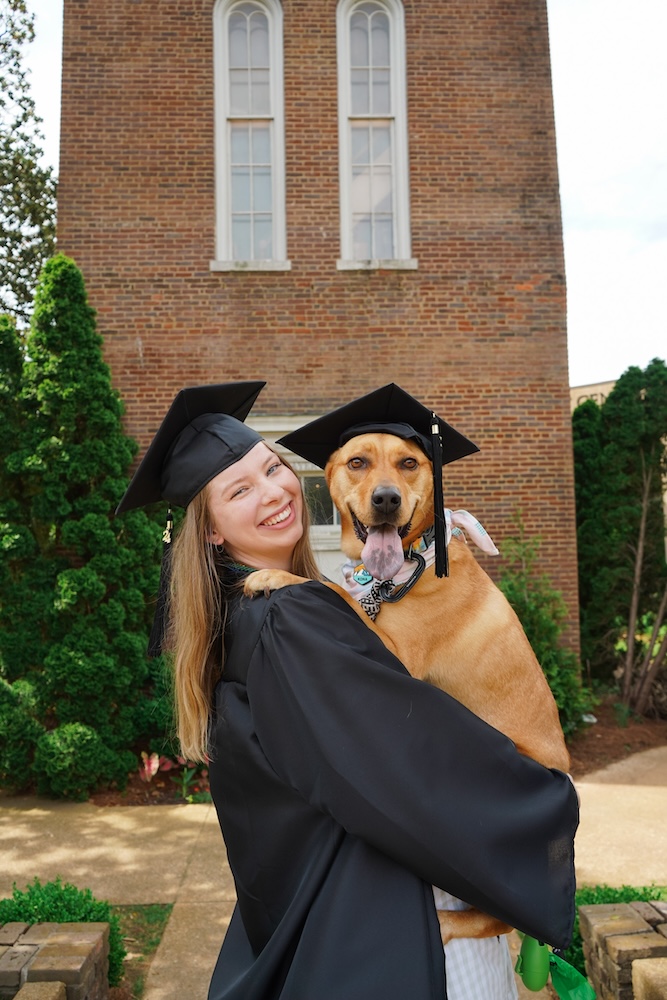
column 27, row 188
column 73, row 612
column 635, row 416
column 602, row 583
column 620, row 467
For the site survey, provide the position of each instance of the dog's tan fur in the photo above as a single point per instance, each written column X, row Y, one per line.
column 458, row 632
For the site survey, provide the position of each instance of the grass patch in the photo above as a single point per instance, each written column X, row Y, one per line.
column 142, row 928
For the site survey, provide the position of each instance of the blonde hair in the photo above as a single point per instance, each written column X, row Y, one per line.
column 199, row 597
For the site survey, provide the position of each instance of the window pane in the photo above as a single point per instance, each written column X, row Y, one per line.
column 318, row 499
column 261, row 189
column 362, row 238
column 380, row 39
column 261, row 98
column 361, row 190
column 381, row 145
column 359, row 53
column 240, row 189
column 361, row 144
column 384, row 248
column 261, row 145
column 382, row 191
column 240, row 144
column 263, row 244
column 241, row 237
column 238, row 41
column 249, row 62
column 360, row 91
column 259, row 40
column 381, row 92
column 239, row 92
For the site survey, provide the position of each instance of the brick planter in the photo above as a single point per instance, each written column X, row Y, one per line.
column 74, row 954
column 618, row 938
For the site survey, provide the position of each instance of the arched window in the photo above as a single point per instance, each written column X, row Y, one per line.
column 250, row 158
column 375, row 223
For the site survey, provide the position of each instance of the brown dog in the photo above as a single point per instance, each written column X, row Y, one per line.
column 458, row 632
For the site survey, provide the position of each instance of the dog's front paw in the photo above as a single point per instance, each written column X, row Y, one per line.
column 469, row 924
column 263, row 581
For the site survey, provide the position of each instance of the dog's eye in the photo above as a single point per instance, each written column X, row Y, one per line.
column 356, row 463
column 410, row 463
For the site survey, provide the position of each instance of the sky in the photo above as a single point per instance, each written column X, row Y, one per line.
column 609, row 76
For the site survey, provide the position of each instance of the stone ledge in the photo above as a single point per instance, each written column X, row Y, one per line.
column 649, row 978
column 42, row 991
column 619, row 938
column 54, row 957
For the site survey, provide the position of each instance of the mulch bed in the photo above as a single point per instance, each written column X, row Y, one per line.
column 158, row 792
column 608, row 740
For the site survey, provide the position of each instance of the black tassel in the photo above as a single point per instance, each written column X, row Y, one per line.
column 441, row 559
column 159, row 627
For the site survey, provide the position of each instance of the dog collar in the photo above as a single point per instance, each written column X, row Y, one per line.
column 372, row 593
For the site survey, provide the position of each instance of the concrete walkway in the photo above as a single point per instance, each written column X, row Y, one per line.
column 156, row 854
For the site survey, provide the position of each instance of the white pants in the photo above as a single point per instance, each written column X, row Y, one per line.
column 476, row 968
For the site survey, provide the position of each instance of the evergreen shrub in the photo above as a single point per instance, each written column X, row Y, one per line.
column 75, row 580
column 542, row 612
column 73, row 758
column 55, row 902
column 19, row 733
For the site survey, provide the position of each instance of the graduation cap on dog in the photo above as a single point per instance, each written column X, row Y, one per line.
column 389, row 410
column 201, row 435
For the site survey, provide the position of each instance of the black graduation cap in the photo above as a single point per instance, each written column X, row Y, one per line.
column 388, row 410
column 202, row 434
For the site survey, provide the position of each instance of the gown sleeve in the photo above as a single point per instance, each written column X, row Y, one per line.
column 407, row 768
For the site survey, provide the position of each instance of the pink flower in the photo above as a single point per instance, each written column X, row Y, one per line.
column 149, row 766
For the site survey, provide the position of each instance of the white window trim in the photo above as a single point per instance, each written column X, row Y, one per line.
column 223, row 250
column 403, row 259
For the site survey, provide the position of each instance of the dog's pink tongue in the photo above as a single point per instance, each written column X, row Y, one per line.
column 383, row 553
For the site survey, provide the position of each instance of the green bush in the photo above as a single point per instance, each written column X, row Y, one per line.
column 75, row 580
column 63, row 904
column 591, row 895
column 542, row 612
column 19, row 733
column 71, row 761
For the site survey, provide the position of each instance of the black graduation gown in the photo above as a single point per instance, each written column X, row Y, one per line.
column 344, row 789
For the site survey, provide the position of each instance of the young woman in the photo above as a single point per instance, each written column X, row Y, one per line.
column 345, row 789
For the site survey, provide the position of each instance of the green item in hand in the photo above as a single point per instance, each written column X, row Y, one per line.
column 568, row 982
column 533, row 964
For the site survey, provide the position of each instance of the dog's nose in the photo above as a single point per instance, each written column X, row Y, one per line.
column 386, row 499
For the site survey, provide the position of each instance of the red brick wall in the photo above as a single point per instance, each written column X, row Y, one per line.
column 478, row 331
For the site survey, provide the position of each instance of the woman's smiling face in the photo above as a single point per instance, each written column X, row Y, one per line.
column 255, row 508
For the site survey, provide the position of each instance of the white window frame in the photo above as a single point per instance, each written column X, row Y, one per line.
column 401, row 196
column 223, row 250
